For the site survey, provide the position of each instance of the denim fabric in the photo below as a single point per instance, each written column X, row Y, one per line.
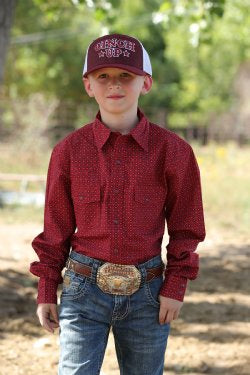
column 87, row 314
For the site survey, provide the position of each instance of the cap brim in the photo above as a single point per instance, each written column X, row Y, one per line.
column 121, row 66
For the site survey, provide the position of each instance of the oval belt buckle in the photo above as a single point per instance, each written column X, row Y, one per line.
column 118, row 278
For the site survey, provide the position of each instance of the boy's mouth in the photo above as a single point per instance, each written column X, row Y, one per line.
column 115, row 96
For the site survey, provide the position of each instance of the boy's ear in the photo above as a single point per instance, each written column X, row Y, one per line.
column 148, row 81
column 87, row 86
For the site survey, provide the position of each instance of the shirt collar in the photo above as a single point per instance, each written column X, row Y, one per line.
column 140, row 132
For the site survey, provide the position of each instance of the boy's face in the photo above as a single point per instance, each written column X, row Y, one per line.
column 116, row 90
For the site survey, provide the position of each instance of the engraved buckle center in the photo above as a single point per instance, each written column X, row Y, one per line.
column 118, row 278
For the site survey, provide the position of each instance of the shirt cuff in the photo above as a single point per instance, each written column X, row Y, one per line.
column 174, row 287
column 47, row 291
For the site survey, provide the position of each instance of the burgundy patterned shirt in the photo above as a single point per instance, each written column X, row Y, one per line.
column 108, row 196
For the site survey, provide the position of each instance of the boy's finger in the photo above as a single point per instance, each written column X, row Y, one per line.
column 44, row 319
column 54, row 324
column 46, row 324
column 162, row 315
column 40, row 317
column 169, row 317
column 176, row 314
column 54, row 313
column 49, row 324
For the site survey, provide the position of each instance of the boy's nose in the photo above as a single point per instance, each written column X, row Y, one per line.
column 114, row 81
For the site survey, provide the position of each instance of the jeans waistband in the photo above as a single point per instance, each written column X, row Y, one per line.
column 96, row 263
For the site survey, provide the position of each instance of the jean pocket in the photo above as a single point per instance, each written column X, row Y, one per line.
column 74, row 285
column 152, row 289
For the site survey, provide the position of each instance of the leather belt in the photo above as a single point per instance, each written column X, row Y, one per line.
column 85, row 270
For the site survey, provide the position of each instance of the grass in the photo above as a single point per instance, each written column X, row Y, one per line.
column 16, row 160
column 225, row 176
column 16, row 214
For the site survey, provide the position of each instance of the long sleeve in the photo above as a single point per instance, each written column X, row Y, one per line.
column 185, row 222
column 53, row 244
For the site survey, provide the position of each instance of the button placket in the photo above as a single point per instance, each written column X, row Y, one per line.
column 117, row 179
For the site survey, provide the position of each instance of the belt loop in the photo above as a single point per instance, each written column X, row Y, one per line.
column 95, row 267
column 143, row 271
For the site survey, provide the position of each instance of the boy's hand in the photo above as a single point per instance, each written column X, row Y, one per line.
column 169, row 309
column 48, row 316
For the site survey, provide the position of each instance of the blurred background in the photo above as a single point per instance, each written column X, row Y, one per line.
column 200, row 54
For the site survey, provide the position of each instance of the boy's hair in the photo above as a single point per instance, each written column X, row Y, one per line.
column 117, row 51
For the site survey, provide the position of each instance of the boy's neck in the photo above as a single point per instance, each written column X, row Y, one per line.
column 122, row 123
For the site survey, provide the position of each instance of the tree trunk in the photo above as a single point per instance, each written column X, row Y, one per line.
column 6, row 15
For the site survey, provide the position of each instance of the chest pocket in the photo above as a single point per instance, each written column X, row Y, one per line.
column 148, row 204
column 87, row 203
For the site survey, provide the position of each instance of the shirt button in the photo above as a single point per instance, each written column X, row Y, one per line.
column 116, row 251
column 147, row 199
column 118, row 161
column 116, row 191
column 81, row 197
column 116, row 221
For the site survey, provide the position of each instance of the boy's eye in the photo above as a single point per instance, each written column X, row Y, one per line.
column 103, row 75
column 125, row 74
column 122, row 75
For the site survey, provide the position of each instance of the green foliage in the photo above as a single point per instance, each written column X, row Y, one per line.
column 50, row 58
column 195, row 47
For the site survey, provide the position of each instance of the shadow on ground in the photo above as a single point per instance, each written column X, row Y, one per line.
column 18, row 305
column 204, row 368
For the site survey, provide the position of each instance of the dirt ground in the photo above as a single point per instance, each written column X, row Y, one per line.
column 211, row 336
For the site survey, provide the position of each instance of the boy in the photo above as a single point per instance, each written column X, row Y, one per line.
column 110, row 187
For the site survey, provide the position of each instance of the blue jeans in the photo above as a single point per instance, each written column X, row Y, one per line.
column 86, row 315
